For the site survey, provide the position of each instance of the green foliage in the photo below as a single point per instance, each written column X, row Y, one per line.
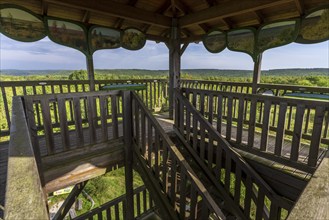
column 79, row 75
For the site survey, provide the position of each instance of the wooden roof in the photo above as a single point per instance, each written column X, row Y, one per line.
column 154, row 17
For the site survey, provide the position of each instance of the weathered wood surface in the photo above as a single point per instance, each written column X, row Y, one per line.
column 303, row 121
column 24, row 187
column 168, row 186
column 227, row 160
column 314, row 201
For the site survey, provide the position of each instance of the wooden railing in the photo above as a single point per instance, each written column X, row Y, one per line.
column 116, row 208
column 24, row 186
column 168, row 169
column 229, row 171
column 300, row 121
column 71, row 120
column 155, row 96
column 276, row 89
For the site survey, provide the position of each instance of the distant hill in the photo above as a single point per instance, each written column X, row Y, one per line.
column 192, row 72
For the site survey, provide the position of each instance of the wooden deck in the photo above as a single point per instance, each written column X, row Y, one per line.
column 167, row 125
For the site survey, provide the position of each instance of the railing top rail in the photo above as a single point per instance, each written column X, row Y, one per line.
column 295, row 88
column 180, row 158
column 73, row 95
column 68, row 82
column 216, row 82
column 226, row 146
column 23, row 172
column 274, row 99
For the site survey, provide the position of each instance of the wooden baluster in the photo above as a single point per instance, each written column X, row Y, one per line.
column 91, row 119
column 173, row 180
column 150, row 142
column 229, row 118
column 219, row 156
column 103, row 112
column 5, row 101
column 164, row 167
column 240, row 121
column 143, row 135
column 38, row 113
column 156, row 154
column 115, row 128
column 228, row 168
column 280, row 129
column 210, row 111
column 316, row 136
column 248, row 198
column 260, row 203
column 252, row 122
column 265, row 125
column 219, row 113
column 195, row 133
column 210, row 152
column 48, row 128
column 202, row 103
column 188, row 125
column 78, row 122
column 194, row 197
column 63, row 123
column 202, row 141
column 137, row 124
column 237, row 186
column 182, row 194
column 181, row 117
column 297, row 134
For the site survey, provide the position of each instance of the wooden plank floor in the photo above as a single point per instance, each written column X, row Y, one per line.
column 167, row 126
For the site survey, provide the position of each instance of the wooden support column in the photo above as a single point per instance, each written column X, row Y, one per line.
column 257, row 73
column 127, row 123
column 174, row 64
column 91, row 73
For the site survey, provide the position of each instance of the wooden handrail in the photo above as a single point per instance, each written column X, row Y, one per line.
column 270, row 114
column 233, row 162
column 105, row 209
column 158, row 141
column 24, row 195
column 155, row 96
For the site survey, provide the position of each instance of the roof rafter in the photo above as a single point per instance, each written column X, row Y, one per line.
column 299, row 6
column 224, row 10
column 118, row 10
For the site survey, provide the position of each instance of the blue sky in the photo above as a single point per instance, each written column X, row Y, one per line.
column 46, row 54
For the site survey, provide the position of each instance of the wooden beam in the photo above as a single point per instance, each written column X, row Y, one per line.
column 44, row 6
column 257, row 73
column 115, row 9
column 182, row 50
column 313, row 203
column 91, row 73
column 299, row 6
column 25, row 198
column 128, row 149
column 224, row 10
column 259, row 17
column 174, row 65
column 86, row 17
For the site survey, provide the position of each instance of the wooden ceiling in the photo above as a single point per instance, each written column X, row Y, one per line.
column 154, row 17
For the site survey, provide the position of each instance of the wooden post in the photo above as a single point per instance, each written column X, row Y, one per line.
column 257, row 73
column 91, row 74
column 127, row 123
column 174, row 64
